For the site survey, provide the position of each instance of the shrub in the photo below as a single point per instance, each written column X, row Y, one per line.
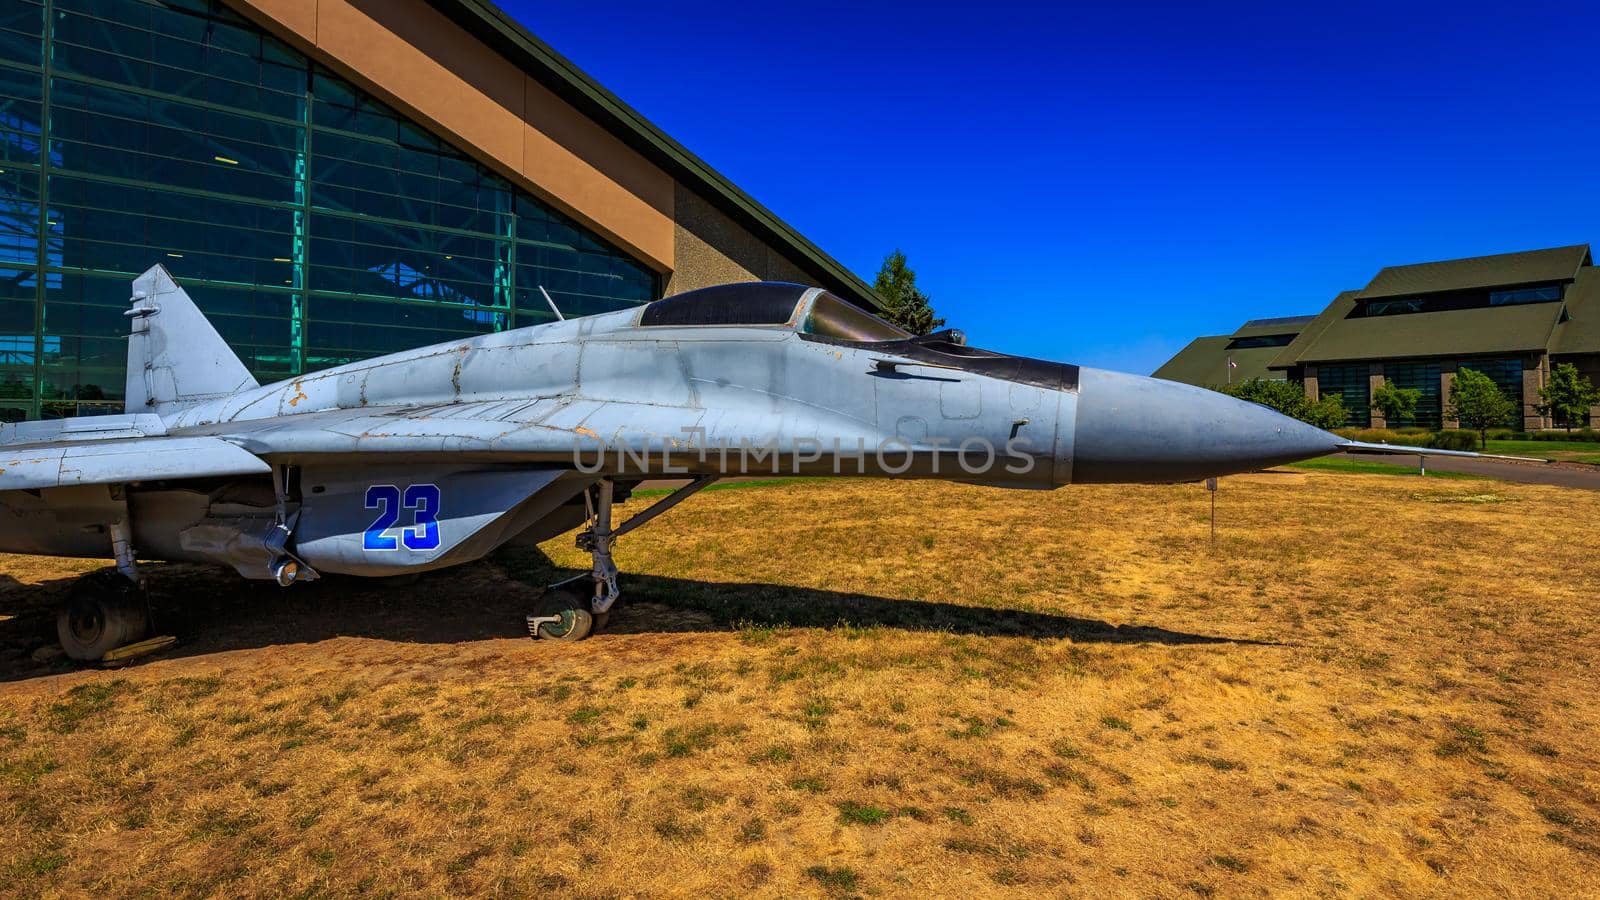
column 1588, row 435
column 1453, row 440
column 1403, row 437
column 1440, row 440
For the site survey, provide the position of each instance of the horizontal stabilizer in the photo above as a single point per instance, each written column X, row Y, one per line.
column 175, row 356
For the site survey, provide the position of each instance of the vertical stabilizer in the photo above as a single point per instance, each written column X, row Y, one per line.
column 175, row 356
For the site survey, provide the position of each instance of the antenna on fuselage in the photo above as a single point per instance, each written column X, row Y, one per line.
column 559, row 316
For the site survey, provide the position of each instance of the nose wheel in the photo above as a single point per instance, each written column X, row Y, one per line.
column 565, row 615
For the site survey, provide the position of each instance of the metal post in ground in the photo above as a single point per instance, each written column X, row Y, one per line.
column 1211, row 488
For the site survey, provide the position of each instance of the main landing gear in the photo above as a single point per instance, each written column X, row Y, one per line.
column 575, row 608
column 105, row 610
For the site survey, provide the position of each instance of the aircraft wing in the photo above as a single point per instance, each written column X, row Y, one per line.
column 545, row 430
column 121, row 460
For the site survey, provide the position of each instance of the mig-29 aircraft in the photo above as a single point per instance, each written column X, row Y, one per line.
column 437, row 456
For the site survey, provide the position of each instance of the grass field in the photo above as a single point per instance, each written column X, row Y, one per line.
column 1566, row 451
column 1368, row 467
column 1365, row 686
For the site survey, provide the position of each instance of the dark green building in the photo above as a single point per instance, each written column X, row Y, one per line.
column 1511, row 316
column 1223, row 359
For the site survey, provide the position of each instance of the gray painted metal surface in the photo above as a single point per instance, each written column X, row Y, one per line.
column 436, row 456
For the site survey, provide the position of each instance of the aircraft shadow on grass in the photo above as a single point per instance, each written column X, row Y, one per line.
column 211, row 611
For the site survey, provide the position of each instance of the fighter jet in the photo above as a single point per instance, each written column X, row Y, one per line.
column 435, row 457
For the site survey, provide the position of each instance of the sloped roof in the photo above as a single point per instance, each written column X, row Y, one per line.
column 1526, row 267
column 1204, row 362
column 1338, row 309
column 1197, row 363
column 1463, row 332
column 1581, row 332
column 494, row 27
column 1262, row 327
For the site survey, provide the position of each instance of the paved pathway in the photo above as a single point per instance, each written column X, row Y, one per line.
column 1573, row 475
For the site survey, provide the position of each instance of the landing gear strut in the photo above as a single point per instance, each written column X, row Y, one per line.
column 580, row 605
column 105, row 610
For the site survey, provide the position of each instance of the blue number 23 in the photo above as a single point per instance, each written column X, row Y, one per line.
column 422, row 499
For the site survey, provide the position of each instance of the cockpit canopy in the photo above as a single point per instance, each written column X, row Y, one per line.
column 773, row 303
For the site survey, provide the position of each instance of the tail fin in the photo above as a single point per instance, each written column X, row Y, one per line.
column 175, row 356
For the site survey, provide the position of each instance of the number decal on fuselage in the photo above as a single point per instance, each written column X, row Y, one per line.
column 423, row 534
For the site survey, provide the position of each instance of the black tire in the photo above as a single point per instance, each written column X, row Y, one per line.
column 103, row 611
column 576, row 620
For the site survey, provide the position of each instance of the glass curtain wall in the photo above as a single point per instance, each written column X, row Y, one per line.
column 1423, row 377
column 1507, row 373
column 313, row 224
column 1350, row 384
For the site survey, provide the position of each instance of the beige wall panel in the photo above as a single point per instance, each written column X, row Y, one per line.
column 582, row 167
column 432, row 68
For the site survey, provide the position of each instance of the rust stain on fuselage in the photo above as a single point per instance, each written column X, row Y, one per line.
column 299, row 394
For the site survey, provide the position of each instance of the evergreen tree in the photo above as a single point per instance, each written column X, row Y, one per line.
column 903, row 303
column 1568, row 396
column 1479, row 403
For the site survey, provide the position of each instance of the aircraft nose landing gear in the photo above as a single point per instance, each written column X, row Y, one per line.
column 574, row 608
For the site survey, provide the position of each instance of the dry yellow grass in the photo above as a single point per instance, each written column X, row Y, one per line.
column 1367, row 685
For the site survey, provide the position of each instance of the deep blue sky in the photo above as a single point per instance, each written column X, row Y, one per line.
column 1100, row 184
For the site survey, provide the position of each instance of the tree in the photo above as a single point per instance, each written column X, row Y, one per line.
column 1395, row 402
column 1568, row 396
column 1479, row 403
column 1290, row 398
column 903, row 303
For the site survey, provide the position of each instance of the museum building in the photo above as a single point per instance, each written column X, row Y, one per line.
column 332, row 180
column 1511, row 316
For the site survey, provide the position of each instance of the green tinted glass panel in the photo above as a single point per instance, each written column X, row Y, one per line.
column 1424, row 378
column 1507, row 373
column 18, row 347
column 22, row 32
column 19, row 217
column 1351, row 385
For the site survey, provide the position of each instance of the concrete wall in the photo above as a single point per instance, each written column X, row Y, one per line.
column 713, row 249
column 1535, row 375
column 1375, row 379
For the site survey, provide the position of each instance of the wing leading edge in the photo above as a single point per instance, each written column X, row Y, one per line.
column 119, row 461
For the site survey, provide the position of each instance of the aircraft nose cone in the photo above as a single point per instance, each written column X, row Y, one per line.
column 1135, row 429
